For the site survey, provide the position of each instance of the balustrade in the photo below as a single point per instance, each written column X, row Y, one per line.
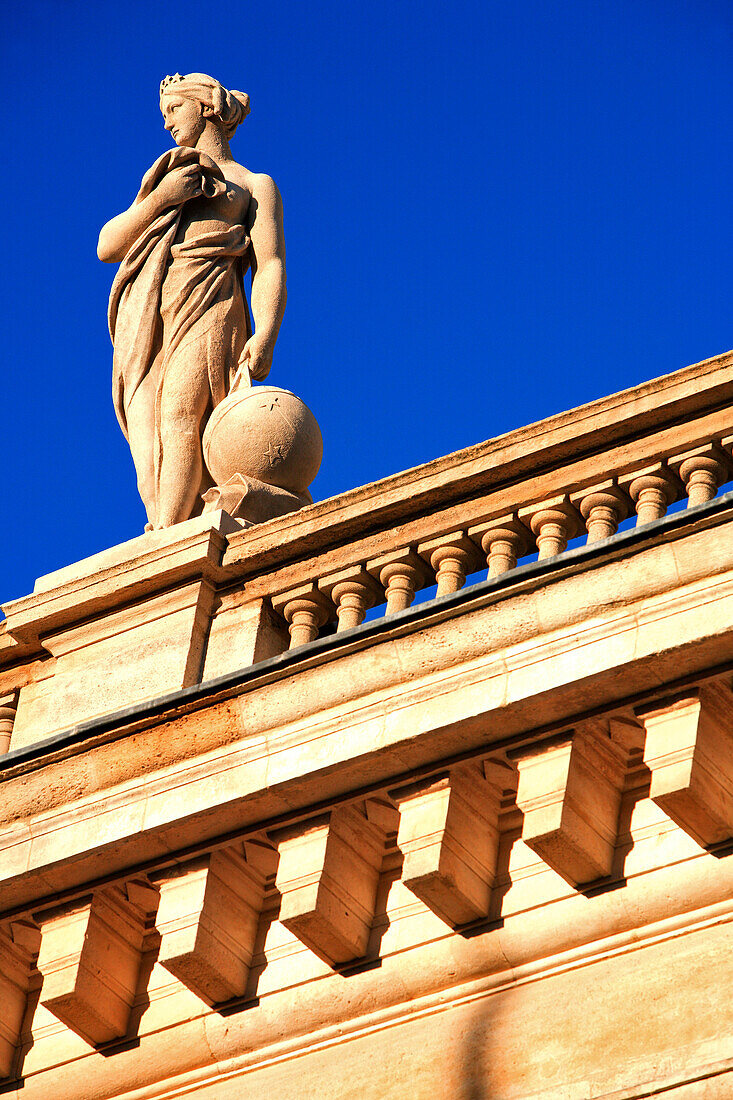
column 352, row 592
column 305, row 609
column 502, row 539
column 652, row 491
column 702, row 472
column 400, row 574
column 602, row 507
column 553, row 523
column 451, row 557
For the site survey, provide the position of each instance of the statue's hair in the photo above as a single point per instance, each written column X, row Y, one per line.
column 230, row 108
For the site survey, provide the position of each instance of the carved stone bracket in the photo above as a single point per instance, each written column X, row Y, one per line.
column 327, row 877
column 449, row 838
column 90, row 961
column 570, row 794
column 208, row 917
column 19, row 943
column 689, row 752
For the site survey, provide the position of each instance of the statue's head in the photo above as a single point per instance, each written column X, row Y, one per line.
column 189, row 102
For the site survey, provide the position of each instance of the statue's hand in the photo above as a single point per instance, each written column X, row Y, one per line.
column 179, row 186
column 257, row 357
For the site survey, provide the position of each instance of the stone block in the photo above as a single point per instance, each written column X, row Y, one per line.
column 449, row 838
column 124, row 657
column 569, row 791
column 242, row 633
column 689, row 752
column 207, row 918
column 327, row 877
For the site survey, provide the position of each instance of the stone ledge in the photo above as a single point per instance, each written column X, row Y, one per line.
column 124, row 573
column 413, row 698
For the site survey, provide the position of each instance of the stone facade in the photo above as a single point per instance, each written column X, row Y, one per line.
column 280, row 818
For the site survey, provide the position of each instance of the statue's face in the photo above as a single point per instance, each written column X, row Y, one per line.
column 184, row 119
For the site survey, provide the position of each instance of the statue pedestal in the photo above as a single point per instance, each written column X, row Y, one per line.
column 130, row 624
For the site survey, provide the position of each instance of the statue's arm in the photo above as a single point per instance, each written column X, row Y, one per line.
column 268, row 274
column 119, row 234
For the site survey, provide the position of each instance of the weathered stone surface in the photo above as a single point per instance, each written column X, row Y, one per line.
column 180, row 324
column 482, row 824
column 689, row 752
column 90, row 961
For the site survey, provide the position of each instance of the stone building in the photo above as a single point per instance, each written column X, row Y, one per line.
column 279, row 818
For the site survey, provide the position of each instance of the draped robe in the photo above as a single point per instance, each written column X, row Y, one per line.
column 168, row 294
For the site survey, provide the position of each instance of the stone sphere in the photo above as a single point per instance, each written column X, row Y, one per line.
column 265, row 433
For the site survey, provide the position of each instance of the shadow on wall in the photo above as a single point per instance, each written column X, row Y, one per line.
column 474, row 1069
column 478, row 1077
column 475, row 1077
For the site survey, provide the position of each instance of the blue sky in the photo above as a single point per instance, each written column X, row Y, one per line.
column 493, row 212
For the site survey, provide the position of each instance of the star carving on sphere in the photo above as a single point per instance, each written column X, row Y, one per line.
column 274, row 454
column 271, row 403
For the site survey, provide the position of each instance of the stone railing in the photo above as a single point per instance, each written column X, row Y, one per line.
column 623, row 459
column 500, row 530
column 226, row 598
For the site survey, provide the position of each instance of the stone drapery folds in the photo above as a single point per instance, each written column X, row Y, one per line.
column 168, row 294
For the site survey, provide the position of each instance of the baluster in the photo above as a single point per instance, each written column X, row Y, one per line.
column 305, row 610
column 400, row 574
column 352, row 591
column 702, row 471
column 652, row 491
column 8, row 708
column 553, row 523
column 452, row 557
column 503, row 541
column 602, row 507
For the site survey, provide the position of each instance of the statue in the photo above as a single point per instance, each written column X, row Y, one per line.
column 180, row 324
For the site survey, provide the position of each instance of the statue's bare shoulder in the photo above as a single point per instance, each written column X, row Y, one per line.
column 264, row 218
column 265, row 203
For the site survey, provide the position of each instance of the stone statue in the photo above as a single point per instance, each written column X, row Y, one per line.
column 178, row 315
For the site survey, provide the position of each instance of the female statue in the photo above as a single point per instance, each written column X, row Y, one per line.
column 178, row 317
